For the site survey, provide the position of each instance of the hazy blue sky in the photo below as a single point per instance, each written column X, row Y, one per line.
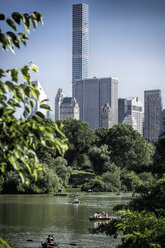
column 126, row 41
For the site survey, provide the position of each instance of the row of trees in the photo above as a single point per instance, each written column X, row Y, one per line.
column 117, row 156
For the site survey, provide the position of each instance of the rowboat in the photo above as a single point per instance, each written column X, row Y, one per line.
column 99, row 218
column 60, row 194
column 48, row 245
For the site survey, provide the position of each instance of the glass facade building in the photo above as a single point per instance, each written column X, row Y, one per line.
column 152, row 115
column 92, row 94
column 131, row 111
column 79, row 43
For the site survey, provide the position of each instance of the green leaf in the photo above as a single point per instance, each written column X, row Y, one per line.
column 16, row 17
column 27, row 91
column 14, row 162
column 34, row 22
column 11, row 24
column 49, row 143
column 23, row 37
column 23, row 177
column 27, row 108
column 35, row 68
column 32, row 103
column 25, row 73
column 18, row 94
column 3, row 41
column 14, row 39
column 35, row 174
column 4, row 243
column 10, row 45
column 12, row 35
column 13, row 104
column 38, row 16
column 3, row 165
column 45, row 100
column 8, row 111
column 2, row 88
column 45, row 106
column 38, row 113
column 13, row 73
column 26, row 22
column 2, row 73
column 2, row 17
column 10, row 86
column 36, row 93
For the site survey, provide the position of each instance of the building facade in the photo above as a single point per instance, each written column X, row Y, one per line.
column 79, row 43
column 152, row 115
column 92, row 94
column 129, row 119
column 106, row 116
column 162, row 130
column 42, row 97
column 58, row 100
column 69, row 108
column 131, row 112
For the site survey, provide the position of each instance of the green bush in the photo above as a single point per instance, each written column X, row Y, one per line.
column 95, row 184
column 112, row 181
column 142, row 229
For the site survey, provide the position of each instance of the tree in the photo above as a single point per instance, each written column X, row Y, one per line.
column 62, row 170
column 101, row 134
column 80, row 138
column 128, row 148
column 112, row 179
column 100, row 158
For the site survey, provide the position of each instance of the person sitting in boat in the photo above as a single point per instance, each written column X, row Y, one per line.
column 76, row 200
column 95, row 215
column 60, row 190
column 52, row 239
column 99, row 215
column 48, row 240
column 103, row 214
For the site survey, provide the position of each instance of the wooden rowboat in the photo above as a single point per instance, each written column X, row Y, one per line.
column 60, row 194
column 99, row 219
column 48, row 245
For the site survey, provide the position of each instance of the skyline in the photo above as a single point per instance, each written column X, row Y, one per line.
column 126, row 41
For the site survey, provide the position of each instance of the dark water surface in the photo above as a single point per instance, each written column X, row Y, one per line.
column 32, row 217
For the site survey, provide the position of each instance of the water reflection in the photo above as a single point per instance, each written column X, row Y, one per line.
column 24, row 217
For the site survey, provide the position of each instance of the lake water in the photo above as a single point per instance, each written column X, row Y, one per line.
column 33, row 217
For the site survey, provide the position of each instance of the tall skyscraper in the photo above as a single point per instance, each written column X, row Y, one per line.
column 79, row 43
column 92, row 94
column 152, row 114
column 130, row 111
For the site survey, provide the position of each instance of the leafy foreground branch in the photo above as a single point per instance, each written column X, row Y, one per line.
column 19, row 139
